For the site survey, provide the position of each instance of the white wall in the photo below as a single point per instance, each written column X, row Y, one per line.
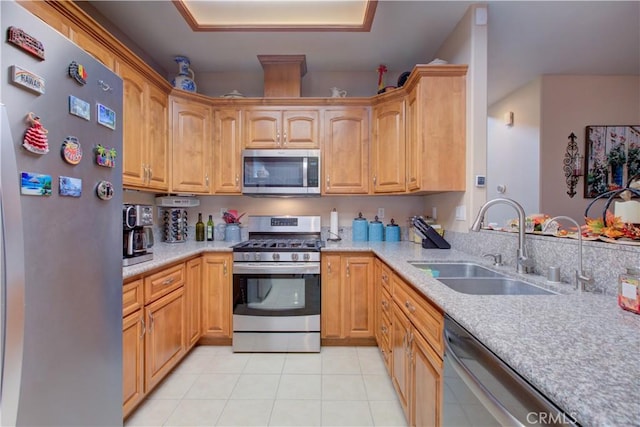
column 513, row 153
column 467, row 44
column 569, row 104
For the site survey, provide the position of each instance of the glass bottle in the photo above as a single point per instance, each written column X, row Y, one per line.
column 199, row 229
column 210, row 229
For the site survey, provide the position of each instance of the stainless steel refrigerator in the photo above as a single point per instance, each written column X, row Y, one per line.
column 61, row 243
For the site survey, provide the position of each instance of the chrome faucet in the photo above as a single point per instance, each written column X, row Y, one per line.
column 524, row 263
column 580, row 277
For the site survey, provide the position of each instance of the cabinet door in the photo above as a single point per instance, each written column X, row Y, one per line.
column 388, row 148
column 164, row 341
column 331, row 319
column 413, row 144
column 190, row 146
column 227, row 151
column 157, row 138
column 345, row 151
column 262, row 128
column 400, row 348
column 358, row 295
column 300, row 129
column 132, row 360
column 134, row 127
column 192, row 298
column 216, row 296
column 426, row 384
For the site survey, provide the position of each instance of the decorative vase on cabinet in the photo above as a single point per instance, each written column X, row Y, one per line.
column 185, row 78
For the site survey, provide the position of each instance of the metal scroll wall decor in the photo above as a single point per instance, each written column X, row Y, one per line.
column 572, row 165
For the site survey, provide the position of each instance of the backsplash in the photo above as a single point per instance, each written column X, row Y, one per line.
column 603, row 261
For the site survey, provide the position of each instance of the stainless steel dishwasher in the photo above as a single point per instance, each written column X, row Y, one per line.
column 481, row 390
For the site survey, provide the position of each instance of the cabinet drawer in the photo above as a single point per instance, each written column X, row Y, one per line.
column 385, row 332
column 132, row 297
column 163, row 282
column 424, row 316
column 385, row 302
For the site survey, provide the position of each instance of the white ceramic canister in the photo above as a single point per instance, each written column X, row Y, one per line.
column 360, row 229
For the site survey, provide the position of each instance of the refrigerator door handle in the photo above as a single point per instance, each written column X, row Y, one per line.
column 13, row 276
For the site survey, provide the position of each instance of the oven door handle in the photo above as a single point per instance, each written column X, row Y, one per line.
column 489, row 401
column 276, row 268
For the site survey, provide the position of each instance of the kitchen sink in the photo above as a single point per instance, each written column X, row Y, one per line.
column 493, row 286
column 457, row 269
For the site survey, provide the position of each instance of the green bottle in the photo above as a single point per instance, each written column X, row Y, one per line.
column 210, row 229
column 199, row 229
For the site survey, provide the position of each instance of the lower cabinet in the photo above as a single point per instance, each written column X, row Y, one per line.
column 217, row 287
column 192, row 298
column 347, row 297
column 132, row 360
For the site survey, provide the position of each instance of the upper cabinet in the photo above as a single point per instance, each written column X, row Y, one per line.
column 145, row 135
column 388, row 146
column 227, row 151
column 345, row 150
column 191, row 143
column 277, row 128
column 436, row 129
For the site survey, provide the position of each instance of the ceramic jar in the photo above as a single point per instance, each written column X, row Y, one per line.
column 185, row 78
column 392, row 232
column 376, row 231
column 360, row 229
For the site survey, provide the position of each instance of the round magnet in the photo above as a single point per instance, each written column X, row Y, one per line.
column 71, row 150
column 104, row 190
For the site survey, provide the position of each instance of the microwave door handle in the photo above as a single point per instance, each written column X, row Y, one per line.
column 305, row 171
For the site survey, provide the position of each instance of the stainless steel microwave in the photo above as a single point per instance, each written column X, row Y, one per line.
column 281, row 172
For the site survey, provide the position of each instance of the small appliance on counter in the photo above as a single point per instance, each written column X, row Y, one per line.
column 137, row 223
column 174, row 225
column 360, row 229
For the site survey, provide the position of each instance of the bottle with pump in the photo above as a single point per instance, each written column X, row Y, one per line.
column 210, row 229
column 200, row 229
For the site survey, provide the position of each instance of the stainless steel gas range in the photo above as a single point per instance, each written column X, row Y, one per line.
column 276, row 285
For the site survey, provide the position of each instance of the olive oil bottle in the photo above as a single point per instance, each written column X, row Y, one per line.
column 200, row 229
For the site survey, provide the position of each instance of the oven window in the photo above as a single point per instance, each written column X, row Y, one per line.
column 276, row 295
column 273, row 172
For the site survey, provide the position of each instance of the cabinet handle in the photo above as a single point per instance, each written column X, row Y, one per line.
column 237, row 179
column 285, row 137
column 144, row 328
column 145, row 173
column 385, row 278
column 348, row 269
column 150, row 175
column 383, row 329
column 278, row 137
column 374, row 180
column 328, row 182
column 168, row 281
column 329, row 267
column 409, row 306
column 150, row 322
column 206, row 180
column 385, row 304
column 224, row 267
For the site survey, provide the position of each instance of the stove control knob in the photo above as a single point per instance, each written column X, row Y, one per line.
column 294, row 257
column 257, row 256
column 306, row 257
column 246, row 256
column 276, row 257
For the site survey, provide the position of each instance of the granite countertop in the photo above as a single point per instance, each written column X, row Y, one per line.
column 580, row 349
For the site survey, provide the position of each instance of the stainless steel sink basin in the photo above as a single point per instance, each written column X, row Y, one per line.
column 455, row 269
column 493, row 286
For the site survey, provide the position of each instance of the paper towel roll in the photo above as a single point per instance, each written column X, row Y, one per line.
column 333, row 225
column 629, row 211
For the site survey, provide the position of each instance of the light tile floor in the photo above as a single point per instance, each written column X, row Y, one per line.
column 212, row 386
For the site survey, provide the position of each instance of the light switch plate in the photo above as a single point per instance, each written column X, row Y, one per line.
column 380, row 213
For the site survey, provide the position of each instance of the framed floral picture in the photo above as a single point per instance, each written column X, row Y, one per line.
column 612, row 156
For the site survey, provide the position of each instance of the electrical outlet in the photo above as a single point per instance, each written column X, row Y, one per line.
column 461, row 213
column 380, row 213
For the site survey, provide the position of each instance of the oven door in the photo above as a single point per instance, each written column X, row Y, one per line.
column 282, row 290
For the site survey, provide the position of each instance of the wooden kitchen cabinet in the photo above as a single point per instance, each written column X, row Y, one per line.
column 227, row 151
column 217, row 287
column 383, row 304
column 133, row 330
column 347, row 297
column 191, row 145
column 165, row 340
column 345, row 150
column 388, row 147
column 94, row 48
column 145, row 146
column 436, row 129
column 418, row 349
column 192, row 299
column 278, row 128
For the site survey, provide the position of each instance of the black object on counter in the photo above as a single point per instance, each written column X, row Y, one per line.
column 431, row 240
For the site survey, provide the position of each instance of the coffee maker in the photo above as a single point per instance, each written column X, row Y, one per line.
column 137, row 224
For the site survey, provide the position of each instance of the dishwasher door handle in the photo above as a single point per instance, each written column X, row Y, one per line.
column 493, row 405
